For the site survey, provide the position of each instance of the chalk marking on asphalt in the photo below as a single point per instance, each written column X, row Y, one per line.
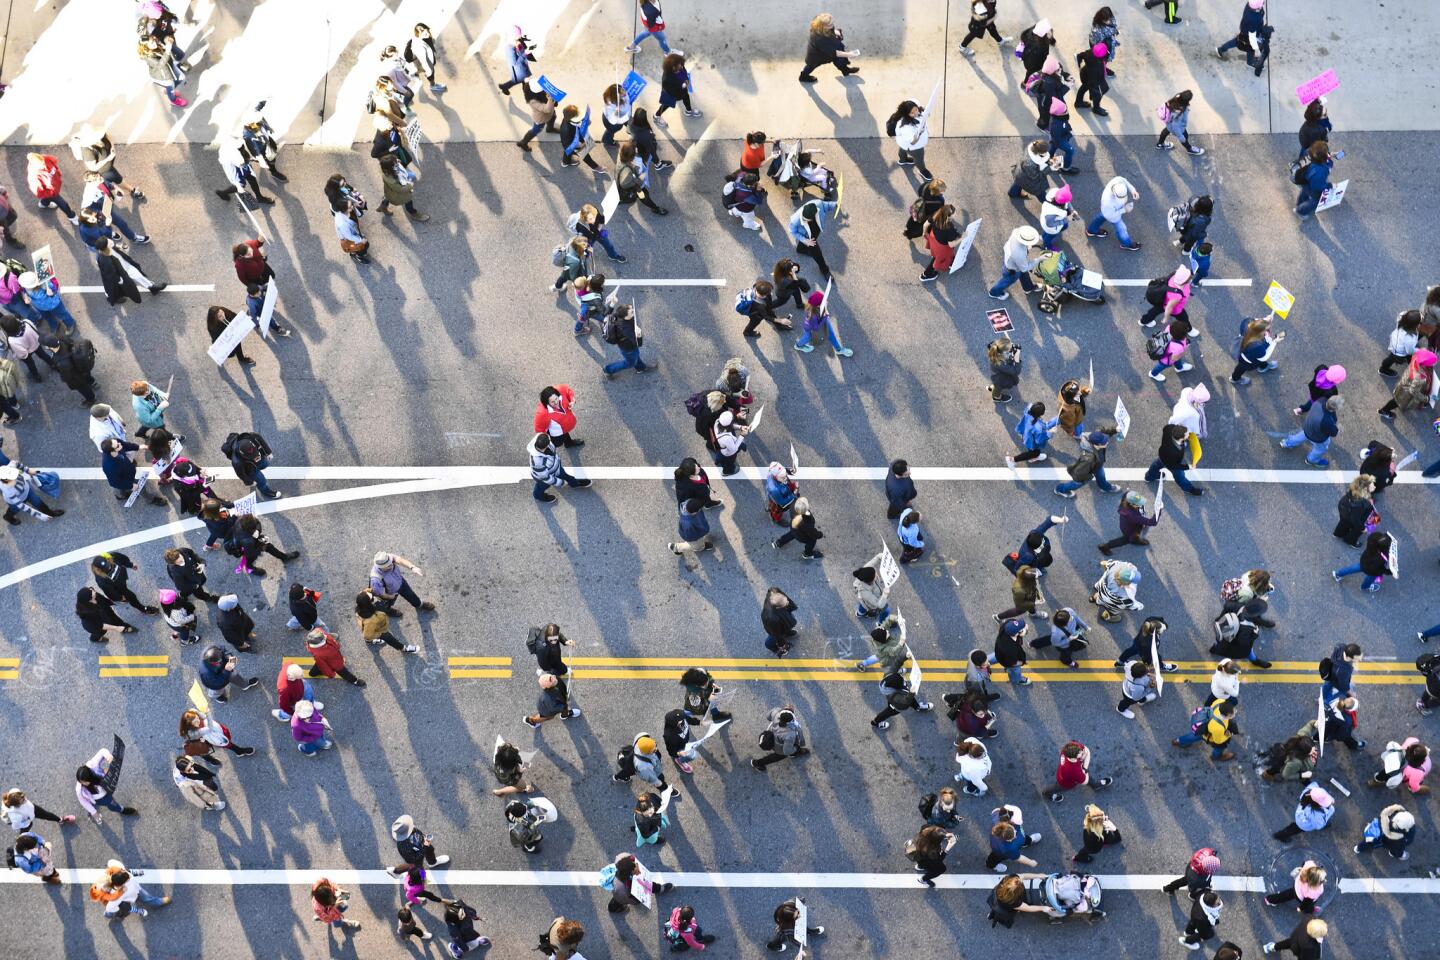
column 715, row 881
column 481, row 475
column 170, row 288
column 710, row 282
column 84, row 554
column 1208, row 282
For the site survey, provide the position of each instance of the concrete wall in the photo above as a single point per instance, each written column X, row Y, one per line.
column 71, row 61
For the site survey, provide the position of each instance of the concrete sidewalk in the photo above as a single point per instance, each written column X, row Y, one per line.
column 72, row 61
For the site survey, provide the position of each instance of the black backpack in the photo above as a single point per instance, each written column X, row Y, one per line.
column 532, row 641
column 227, row 449
column 695, row 404
column 767, row 739
column 610, row 329
column 1156, row 343
column 625, row 760
column 1156, row 290
column 1298, row 169
column 927, row 805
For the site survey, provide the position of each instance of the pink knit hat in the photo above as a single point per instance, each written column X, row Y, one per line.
column 1063, row 195
column 1334, row 375
column 1057, row 107
column 1425, row 358
column 1051, row 65
column 1100, row 50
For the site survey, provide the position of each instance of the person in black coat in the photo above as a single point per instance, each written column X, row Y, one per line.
column 97, row 615
column 642, row 137
column 1197, row 225
column 119, row 274
column 235, row 624
column 187, row 573
column 249, row 454
column 1355, row 506
column 1374, row 562
column 692, row 482
column 74, row 361
column 777, row 616
column 1316, row 127
column 1378, row 463
column 120, row 469
column 549, row 651
column 826, row 45
column 1173, row 446
column 219, row 524
column 1038, row 42
column 1304, row 941
column 112, row 576
column 1092, row 79
column 216, row 320
column 249, row 538
column 803, row 528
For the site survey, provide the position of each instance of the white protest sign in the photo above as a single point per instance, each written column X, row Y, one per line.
column 1091, row 279
column 642, row 888
column 414, row 137
column 44, row 263
column 825, row 300
column 1332, row 196
column 794, row 461
column 1155, row 662
column 914, row 671
column 246, row 504
column 889, row 567
column 802, row 922
column 267, row 308
column 710, row 730
column 611, row 203
column 755, row 420
column 967, row 240
column 666, row 797
column 1414, row 455
column 1160, row 495
column 1122, row 418
column 1320, row 723
column 1392, row 556
column 1092, row 373
column 234, row 332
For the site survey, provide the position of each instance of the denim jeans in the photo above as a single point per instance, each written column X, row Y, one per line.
column 1216, row 750
column 1369, row 583
column 1122, row 232
column 876, row 615
column 1330, row 693
column 260, row 482
column 56, row 316
column 659, row 36
column 122, row 226
column 1010, row 276
column 109, row 803
column 1101, row 481
column 1181, row 480
column 805, row 336
column 628, row 358
column 315, row 746
column 1066, row 148
column 406, row 593
column 1431, row 471
column 1432, row 632
column 610, row 130
column 1309, row 199
column 23, row 310
column 1233, row 43
column 1015, row 673
column 604, row 240
column 1316, row 456
column 58, row 202
column 1051, row 241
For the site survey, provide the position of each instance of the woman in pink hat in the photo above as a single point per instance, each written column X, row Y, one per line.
column 1062, row 137
column 1417, row 387
column 1056, row 214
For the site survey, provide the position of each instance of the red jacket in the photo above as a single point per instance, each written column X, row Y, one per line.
column 42, row 174
column 253, row 269
column 289, row 691
column 328, row 658
column 1070, row 773
column 564, row 417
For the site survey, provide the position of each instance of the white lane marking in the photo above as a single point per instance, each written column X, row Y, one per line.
column 171, row 288
column 712, row 282
column 482, row 474
column 273, row 506
column 714, row 881
column 1207, row 282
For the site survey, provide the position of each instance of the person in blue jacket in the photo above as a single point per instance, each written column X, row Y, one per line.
column 1312, row 813
column 1034, row 432
column 1035, row 550
column 1252, row 19
column 805, row 228
column 35, row 857
column 1316, row 174
column 519, row 57
column 218, row 671
column 1320, row 426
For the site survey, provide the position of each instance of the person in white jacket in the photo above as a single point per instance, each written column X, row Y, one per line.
column 119, row 889
column 1018, row 263
column 975, row 765
column 1117, row 200
column 1225, row 683
column 910, row 126
column 420, row 55
column 1189, row 412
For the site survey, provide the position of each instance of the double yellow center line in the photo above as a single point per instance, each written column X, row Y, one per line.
column 134, row 665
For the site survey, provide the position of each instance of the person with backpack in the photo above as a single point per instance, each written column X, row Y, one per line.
column 1215, row 725
column 1193, row 222
column 777, row 617
column 982, row 21
column 742, row 196
column 1417, row 388
column 621, row 330
column 421, row 58
column 1034, row 432
column 911, row 535
column 1312, row 814
column 783, row 738
column 1097, row 832
column 1199, row 874
column 898, row 697
column 1403, row 764
column 1377, row 559
column 1394, row 829
column 1429, row 666
column 42, row 176
column 1167, row 346
column 758, row 303
column 683, row 931
column 562, row 940
column 1089, row 465
column 1167, row 297
column 632, row 181
column 910, row 126
column 1237, row 638
column 1293, row 760
column 1313, row 177
column 1092, row 65
column 1073, row 770
column 44, row 299
column 1252, row 19
column 1175, row 114
column 1133, row 522
column 643, row 759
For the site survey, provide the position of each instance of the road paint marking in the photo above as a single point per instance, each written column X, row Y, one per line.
column 407, row 480
column 156, row 877
column 478, row 661
column 469, row 476
column 9, row 668
column 170, row 288
column 711, row 282
column 135, row 658
column 1208, row 282
column 464, row 668
column 134, row 665
column 1107, row 665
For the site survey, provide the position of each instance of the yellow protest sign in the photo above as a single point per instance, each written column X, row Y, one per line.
column 197, row 697
column 1278, row 299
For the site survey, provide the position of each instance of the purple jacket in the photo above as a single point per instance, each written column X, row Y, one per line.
column 307, row 731
column 1133, row 522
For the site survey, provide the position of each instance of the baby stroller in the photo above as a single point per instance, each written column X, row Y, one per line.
column 795, row 169
column 1072, row 894
column 1059, row 278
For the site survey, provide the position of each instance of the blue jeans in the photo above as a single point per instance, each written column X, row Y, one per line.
column 1369, row 583
column 1331, row 693
column 805, row 335
column 604, row 240
column 109, row 803
column 143, row 898
column 1316, row 456
column 1232, row 44
column 1181, row 480
column 870, row 661
column 56, row 316
column 22, row 309
column 1432, row 632
column 314, row 747
column 122, row 226
column 1431, row 471
column 1051, row 240
column 58, row 202
column 1010, row 276
column 876, row 615
column 1066, row 149
column 1122, row 232
column 1309, row 199
column 628, row 358
column 1101, row 481
column 1015, row 673
column 540, row 487
column 260, row 482
column 1187, row 739
column 659, row 36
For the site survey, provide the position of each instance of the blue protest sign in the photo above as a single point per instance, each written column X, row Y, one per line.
column 584, row 130
column 634, row 85
column 555, row 92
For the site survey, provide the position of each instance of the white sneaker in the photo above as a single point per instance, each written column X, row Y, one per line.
column 441, row 861
column 1127, row 714
column 1036, row 837
column 1000, row 868
column 694, row 113
column 661, row 122
column 218, row 805
column 280, row 715
column 631, row 48
column 411, row 648
column 967, row 51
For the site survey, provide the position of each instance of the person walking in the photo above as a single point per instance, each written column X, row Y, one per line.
column 777, row 617
column 20, row 812
column 329, row 660
column 187, row 573
column 982, row 21
column 1105, row 29
column 1254, row 349
column 219, row 670
column 942, row 236
column 1215, row 725
column 510, row 769
column 1171, row 456
column 1321, row 425
column 621, row 329
column 347, row 206
column 1417, row 388
column 1175, row 114
column 1093, row 71
column 93, row 791
column 1008, row 838
column 120, row 890
column 179, row 615
column 675, row 87
column 1252, row 21
column 97, row 616
column 1166, row 347
column 290, row 688
column 542, row 112
column 415, row 846
column 1017, row 263
column 43, row 177
column 374, row 623
column 519, row 56
column 803, row 528
column 201, row 734
column 928, row 851
column 1167, row 297
column 553, row 701
column 236, row 162
column 166, row 70
column 149, row 403
column 1199, row 874
column 1393, row 829
column 112, row 576
column 1313, row 178
column 632, row 181
column 1147, row 638
column 1138, row 688
column 1204, row 918
column 20, row 489
column 421, row 57
column 329, row 903
column 1308, row 888
column 1305, row 941
column 1073, row 770
column 197, row 783
column 1003, row 355
column 910, row 126
column 783, row 738
column 257, row 141
column 1374, row 563
column 1171, row 9
column 827, row 45
column 1312, row 813
column 309, row 728
column 1034, row 432
column 575, row 141
column 805, row 227
column 1118, row 199
column 1035, row 172
column 120, row 275
column 1055, row 215
column 1097, row 832
column 388, row 583
column 1403, row 764
column 1133, row 522
column 653, row 22
column 42, row 300
column 816, row 319
column 694, row 533
column 1089, row 465
column 399, row 189
column 899, row 489
column 1066, row 635
column 1404, row 340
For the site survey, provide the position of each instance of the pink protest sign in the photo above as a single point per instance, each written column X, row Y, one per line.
column 1314, row 89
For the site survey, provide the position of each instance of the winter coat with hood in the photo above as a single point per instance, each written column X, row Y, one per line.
column 544, row 464
column 649, row 766
column 1033, row 172
column 329, row 661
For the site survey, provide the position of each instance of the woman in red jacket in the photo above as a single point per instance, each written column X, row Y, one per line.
column 1074, row 771
column 42, row 175
column 556, row 415
column 329, row 661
